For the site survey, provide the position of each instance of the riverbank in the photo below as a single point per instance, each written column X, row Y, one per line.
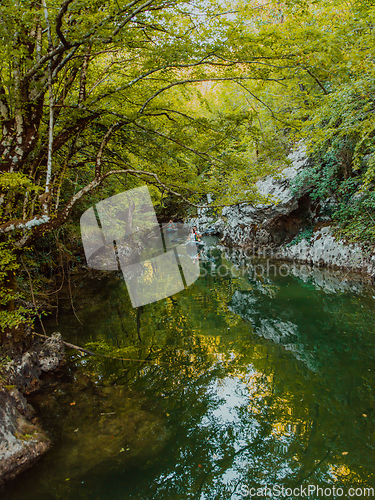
column 292, row 227
column 22, row 439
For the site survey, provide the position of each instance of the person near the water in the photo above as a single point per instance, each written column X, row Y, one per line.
column 196, row 234
column 171, row 225
column 192, row 250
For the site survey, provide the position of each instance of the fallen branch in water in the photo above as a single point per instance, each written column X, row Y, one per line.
column 78, row 348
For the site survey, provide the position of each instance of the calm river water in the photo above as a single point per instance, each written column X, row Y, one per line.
column 245, row 380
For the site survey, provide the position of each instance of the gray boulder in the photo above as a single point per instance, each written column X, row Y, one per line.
column 22, row 441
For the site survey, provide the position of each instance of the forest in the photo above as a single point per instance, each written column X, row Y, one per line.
column 187, row 97
column 240, row 379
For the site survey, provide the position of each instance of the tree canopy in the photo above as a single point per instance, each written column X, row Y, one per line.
column 101, row 88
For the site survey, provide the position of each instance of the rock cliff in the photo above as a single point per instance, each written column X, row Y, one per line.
column 22, row 441
column 277, row 229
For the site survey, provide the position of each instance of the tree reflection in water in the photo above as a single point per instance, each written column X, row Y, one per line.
column 247, row 381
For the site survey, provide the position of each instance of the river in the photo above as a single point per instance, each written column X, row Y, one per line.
column 257, row 375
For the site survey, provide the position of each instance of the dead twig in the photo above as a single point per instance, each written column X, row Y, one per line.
column 32, row 294
column 86, row 351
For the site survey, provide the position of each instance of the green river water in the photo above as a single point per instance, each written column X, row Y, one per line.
column 250, row 381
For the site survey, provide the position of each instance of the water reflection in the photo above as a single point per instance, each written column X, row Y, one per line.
column 247, row 381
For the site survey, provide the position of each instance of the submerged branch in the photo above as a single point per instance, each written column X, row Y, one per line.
column 90, row 353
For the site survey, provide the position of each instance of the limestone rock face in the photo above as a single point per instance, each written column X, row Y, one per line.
column 263, row 224
column 272, row 227
column 269, row 224
column 324, row 250
column 22, row 441
column 27, row 368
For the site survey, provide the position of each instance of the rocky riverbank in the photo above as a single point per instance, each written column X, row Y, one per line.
column 22, row 440
column 292, row 227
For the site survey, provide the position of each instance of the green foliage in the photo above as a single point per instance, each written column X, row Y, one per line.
column 10, row 317
column 13, row 318
column 105, row 349
column 356, row 216
column 169, row 90
column 145, row 93
column 4, row 361
column 305, row 234
column 338, row 125
column 342, row 146
column 15, row 180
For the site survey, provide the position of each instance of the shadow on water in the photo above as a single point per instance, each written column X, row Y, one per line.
column 247, row 381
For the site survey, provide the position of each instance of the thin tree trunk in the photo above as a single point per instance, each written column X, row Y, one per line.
column 83, row 78
column 51, row 103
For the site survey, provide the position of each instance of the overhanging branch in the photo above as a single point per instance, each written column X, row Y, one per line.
column 234, row 79
column 39, row 225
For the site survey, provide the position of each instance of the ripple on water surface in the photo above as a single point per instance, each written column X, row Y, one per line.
column 246, row 381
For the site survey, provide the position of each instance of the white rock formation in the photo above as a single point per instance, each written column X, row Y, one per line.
column 271, row 226
column 324, row 250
